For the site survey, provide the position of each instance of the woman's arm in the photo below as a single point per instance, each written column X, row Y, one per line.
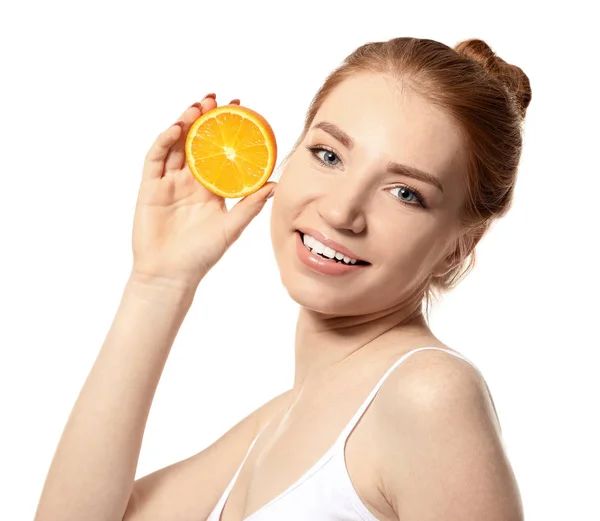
column 93, row 469
column 180, row 231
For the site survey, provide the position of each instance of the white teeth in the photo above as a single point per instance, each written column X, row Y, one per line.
column 329, row 252
column 316, row 247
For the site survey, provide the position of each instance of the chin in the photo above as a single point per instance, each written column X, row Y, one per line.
column 314, row 287
column 328, row 295
column 320, row 297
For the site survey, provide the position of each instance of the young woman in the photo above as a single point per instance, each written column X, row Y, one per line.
column 409, row 151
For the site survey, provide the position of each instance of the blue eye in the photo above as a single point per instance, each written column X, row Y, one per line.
column 328, row 158
column 408, row 195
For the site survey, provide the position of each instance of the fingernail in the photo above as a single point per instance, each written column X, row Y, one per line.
column 234, row 102
column 271, row 193
column 211, row 95
column 180, row 123
column 198, row 105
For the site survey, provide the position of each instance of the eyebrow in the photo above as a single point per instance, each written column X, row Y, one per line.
column 394, row 168
column 415, row 173
column 337, row 133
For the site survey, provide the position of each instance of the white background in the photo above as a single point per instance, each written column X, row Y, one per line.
column 85, row 89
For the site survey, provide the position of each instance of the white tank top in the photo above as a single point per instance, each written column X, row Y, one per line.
column 325, row 491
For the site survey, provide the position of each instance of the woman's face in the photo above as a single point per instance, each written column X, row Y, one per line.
column 383, row 179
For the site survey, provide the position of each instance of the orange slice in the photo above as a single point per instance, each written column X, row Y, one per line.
column 231, row 150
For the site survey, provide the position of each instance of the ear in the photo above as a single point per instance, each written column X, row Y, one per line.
column 444, row 266
column 448, row 262
column 460, row 249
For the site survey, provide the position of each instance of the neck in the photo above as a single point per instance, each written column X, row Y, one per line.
column 327, row 345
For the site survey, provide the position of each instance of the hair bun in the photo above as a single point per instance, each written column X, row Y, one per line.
column 512, row 77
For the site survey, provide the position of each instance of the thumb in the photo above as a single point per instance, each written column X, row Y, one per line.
column 245, row 210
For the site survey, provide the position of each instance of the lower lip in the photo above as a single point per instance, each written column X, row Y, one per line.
column 321, row 265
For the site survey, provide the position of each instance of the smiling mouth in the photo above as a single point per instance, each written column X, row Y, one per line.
column 327, row 253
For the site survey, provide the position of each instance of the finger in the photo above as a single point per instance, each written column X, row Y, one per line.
column 208, row 103
column 245, row 210
column 176, row 158
column 154, row 163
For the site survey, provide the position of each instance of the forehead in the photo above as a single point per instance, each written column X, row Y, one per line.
column 389, row 121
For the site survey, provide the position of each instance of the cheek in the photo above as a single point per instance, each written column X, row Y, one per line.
column 412, row 244
column 287, row 204
column 295, row 190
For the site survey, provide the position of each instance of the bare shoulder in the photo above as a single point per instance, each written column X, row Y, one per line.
column 441, row 453
column 189, row 489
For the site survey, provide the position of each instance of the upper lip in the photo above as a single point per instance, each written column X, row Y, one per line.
column 330, row 242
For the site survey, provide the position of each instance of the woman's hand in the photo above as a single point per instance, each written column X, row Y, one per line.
column 180, row 228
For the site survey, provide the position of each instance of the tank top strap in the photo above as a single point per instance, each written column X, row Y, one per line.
column 361, row 410
column 216, row 513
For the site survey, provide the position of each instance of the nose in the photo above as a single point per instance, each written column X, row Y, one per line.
column 344, row 209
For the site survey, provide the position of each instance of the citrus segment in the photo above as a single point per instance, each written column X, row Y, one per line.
column 212, row 166
column 229, row 125
column 231, row 150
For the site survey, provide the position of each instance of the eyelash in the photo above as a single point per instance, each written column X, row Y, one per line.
column 314, row 149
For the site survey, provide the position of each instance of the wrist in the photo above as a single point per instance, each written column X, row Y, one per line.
column 161, row 288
